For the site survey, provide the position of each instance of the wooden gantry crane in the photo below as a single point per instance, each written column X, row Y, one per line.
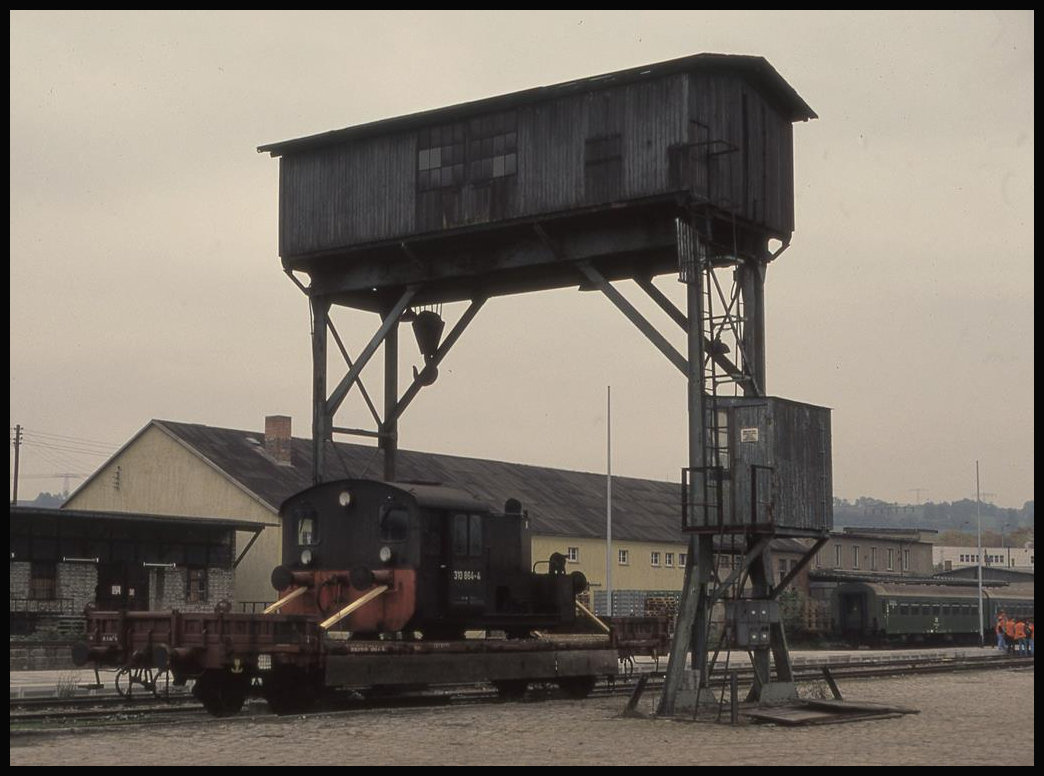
column 680, row 168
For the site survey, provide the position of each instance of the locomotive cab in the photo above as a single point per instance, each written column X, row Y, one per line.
column 426, row 558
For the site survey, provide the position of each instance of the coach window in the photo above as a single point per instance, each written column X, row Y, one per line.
column 395, row 523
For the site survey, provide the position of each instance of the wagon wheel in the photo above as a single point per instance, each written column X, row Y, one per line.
column 511, row 689
column 578, row 687
column 123, row 682
column 290, row 690
column 127, row 677
column 222, row 693
column 160, row 684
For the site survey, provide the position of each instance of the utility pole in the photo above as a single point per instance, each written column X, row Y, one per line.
column 65, row 482
column 917, row 493
column 978, row 557
column 608, row 501
column 17, row 445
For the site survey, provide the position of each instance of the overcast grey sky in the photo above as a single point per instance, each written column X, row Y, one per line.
column 146, row 283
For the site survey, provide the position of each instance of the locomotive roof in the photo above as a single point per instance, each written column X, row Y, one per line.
column 441, row 496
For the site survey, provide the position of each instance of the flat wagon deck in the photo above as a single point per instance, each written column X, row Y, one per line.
column 297, row 662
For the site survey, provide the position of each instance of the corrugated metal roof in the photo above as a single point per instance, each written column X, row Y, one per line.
column 559, row 502
column 755, row 69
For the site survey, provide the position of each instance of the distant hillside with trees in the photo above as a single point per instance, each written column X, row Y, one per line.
column 47, row 500
column 953, row 520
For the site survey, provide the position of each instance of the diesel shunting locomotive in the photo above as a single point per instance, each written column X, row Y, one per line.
column 382, row 586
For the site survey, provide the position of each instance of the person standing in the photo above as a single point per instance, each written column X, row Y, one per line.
column 999, row 627
column 1009, row 635
column 1020, row 637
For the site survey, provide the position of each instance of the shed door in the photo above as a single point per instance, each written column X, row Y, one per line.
column 122, row 585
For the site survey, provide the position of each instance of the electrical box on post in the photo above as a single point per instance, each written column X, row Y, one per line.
column 751, row 621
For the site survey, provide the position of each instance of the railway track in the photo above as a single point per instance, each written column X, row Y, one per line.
column 28, row 715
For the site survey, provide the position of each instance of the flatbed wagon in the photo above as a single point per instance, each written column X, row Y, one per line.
column 296, row 663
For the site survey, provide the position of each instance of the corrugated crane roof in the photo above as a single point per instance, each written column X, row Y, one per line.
column 755, row 69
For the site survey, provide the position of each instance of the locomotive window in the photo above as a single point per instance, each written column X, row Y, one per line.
column 307, row 524
column 395, row 522
column 467, row 535
column 475, row 535
column 904, row 609
column 460, row 535
column 306, row 533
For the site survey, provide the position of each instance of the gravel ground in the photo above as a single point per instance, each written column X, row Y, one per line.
column 962, row 719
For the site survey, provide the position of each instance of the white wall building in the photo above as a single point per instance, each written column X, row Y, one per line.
column 949, row 558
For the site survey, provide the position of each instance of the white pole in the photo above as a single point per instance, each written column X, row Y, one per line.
column 978, row 541
column 608, row 502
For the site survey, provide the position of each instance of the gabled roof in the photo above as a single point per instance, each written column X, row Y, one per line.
column 559, row 502
column 755, row 70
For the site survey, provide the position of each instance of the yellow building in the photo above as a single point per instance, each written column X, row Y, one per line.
column 171, row 468
column 199, row 471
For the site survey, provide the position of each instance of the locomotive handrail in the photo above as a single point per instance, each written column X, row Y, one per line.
column 285, row 600
column 356, row 604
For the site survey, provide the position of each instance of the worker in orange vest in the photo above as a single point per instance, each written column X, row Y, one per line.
column 1029, row 635
column 1001, row 617
column 1020, row 637
column 1009, row 634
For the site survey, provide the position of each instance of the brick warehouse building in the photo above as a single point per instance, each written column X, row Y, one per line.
column 61, row 560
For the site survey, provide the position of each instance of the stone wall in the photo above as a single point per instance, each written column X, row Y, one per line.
column 33, row 656
column 78, row 582
column 19, row 579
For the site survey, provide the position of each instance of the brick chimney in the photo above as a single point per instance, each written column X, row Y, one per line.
column 277, row 438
